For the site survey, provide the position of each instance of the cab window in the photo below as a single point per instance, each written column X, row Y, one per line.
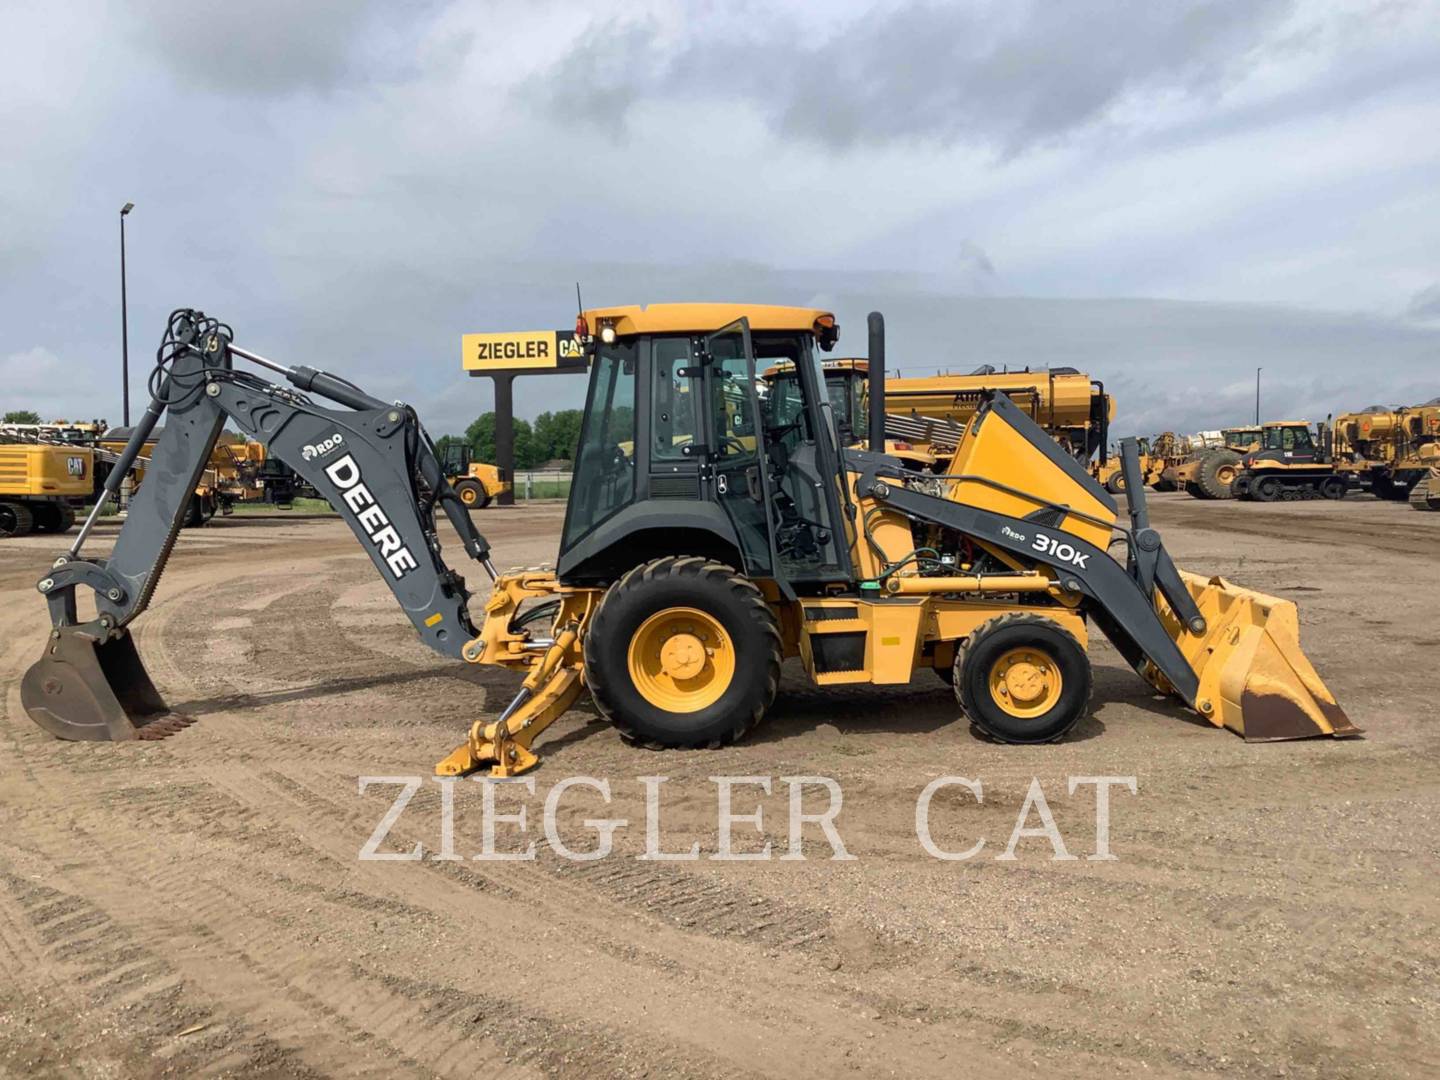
column 604, row 476
column 672, row 399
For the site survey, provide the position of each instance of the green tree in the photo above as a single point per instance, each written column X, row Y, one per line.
column 557, row 434
column 481, row 437
column 21, row 416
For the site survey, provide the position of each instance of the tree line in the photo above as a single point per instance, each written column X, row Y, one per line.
column 553, row 436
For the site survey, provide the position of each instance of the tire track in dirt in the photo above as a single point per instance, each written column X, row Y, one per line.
column 103, row 971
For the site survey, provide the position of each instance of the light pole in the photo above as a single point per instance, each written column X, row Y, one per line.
column 124, row 324
column 1257, row 395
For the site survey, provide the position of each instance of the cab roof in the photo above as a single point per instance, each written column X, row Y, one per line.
column 704, row 318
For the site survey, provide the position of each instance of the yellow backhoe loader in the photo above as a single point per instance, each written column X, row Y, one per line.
column 702, row 547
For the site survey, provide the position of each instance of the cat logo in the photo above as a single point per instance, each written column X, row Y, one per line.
column 533, row 350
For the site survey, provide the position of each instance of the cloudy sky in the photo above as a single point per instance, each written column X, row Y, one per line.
column 1167, row 195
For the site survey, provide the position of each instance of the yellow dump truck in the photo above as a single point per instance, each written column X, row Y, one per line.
column 42, row 485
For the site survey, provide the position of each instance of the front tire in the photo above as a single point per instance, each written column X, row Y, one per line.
column 473, row 494
column 683, row 652
column 1022, row 679
column 1217, row 472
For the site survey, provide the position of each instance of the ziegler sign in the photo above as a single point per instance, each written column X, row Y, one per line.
column 534, row 349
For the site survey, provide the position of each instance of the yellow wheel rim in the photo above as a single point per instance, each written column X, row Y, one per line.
column 681, row 660
column 468, row 496
column 1025, row 683
column 1226, row 474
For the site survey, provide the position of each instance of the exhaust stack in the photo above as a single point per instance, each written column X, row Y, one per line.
column 876, row 378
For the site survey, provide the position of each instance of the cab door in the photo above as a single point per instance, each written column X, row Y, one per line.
column 734, row 444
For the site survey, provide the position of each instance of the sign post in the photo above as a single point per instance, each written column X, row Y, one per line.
column 501, row 357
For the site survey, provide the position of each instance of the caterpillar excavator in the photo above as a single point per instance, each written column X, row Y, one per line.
column 693, row 562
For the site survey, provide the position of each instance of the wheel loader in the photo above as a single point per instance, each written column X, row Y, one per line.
column 476, row 482
column 701, row 548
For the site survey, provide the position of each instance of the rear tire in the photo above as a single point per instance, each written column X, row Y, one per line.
column 1022, row 679
column 15, row 519
column 473, row 494
column 1333, row 487
column 1217, row 472
column 1115, row 485
column 656, row 654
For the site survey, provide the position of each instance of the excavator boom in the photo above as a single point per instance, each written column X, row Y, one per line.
column 371, row 460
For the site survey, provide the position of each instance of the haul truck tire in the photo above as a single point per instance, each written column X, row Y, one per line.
column 683, row 652
column 1217, row 473
column 1022, row 679
column 473, row 494
column 15, row 519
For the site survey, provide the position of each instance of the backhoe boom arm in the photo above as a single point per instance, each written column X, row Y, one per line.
column 372, row 461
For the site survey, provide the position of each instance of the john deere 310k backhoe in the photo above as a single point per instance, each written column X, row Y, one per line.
column 708, row 537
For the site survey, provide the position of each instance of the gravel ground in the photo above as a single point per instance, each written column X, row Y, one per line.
column 196, row 905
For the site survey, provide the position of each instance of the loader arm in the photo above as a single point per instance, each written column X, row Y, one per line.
column 372, row 462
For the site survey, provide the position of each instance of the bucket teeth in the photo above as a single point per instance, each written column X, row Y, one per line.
column 163, row 727
column 91, row 690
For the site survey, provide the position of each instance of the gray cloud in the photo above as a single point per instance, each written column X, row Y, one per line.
column 1008, row 76
column 265, row 48
column 365, row 203
column 1425, row 304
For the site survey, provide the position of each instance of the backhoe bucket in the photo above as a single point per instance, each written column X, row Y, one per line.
column 1254, row 679
column 84, row 690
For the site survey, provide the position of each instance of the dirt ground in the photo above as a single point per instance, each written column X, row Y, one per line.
column 197, row 905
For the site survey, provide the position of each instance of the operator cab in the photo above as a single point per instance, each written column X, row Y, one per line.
column 1287, row 440
column 687, row 449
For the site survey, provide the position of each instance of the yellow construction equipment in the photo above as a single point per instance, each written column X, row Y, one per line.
column 42, row 485
column 1389, row 450
column 476, row 482
column 1425, row 495
column 1211, row 462
column 927, row 416
column 986, row 580
column 703, row 546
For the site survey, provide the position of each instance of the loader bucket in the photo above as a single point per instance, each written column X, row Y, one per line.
column 1254, row 679
column 84, row 690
